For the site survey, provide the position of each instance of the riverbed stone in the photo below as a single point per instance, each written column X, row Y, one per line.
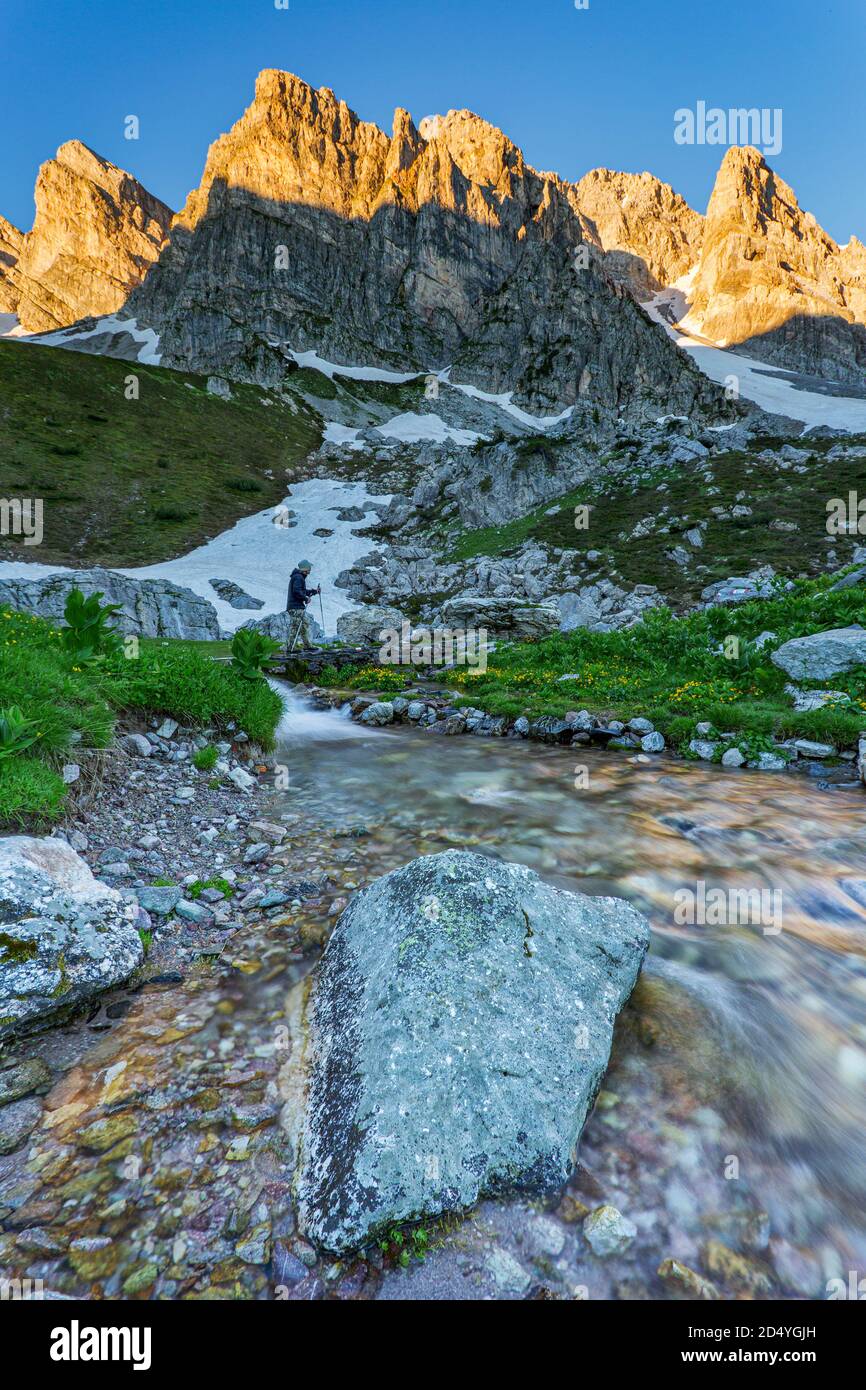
column 22, row 1077
column 459, row 1027
column 732, row 757
column 608, row 1231
column 64, row 936
column 653, row 743
column 161, row 901
column 380, row 712
column 17, row 1121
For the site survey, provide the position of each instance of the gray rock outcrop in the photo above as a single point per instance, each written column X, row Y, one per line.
column 150, row 607
column 234, row 595
column 64, row 936
column 280, row 626
column 459, row 1028
column 363, row 625
column 823, row 654
column 511, row 617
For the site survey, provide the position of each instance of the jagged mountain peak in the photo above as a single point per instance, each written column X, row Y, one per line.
column 435, row 245
column 652, row 234
column 95, row 233
column 772, row 282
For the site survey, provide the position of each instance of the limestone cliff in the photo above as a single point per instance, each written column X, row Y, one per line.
column 772, row 283
column 96, row 233
column 650, row 233
column 426, row 247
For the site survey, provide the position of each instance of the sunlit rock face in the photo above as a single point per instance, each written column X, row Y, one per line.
column 772, row 282
column 96, row 233
column 10, row 250
column 651, row 235
column 428, row 247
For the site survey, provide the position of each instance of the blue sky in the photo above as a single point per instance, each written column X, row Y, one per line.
column 574, row 88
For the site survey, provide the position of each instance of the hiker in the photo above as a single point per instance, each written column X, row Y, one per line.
column 297, row 632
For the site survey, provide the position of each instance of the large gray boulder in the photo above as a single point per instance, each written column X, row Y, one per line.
column 513, row 617
column 362, row 626
column 64, row 936
column 458, row 1031
column 822, row 654
column 150, row 607
column 279, row 626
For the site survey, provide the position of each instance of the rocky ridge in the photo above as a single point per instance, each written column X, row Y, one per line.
column 465, row 254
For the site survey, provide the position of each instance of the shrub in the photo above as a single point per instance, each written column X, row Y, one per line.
column 88, row 633
column 205, row 758
column 250, row 649
column 244, row 485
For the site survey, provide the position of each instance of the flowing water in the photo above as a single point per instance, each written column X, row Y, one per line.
column 730, row 1126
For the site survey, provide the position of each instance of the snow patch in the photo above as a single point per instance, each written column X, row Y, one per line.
column 330, row 369
column 260, row 556
column 148, row 354
column 505, row 402
column 412, row 428
column 758, row 382
column 342, row 434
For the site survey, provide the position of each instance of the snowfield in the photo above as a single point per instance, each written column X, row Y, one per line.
column 769, row 387
column 148, row 353
column 412, row 428
column 259, row 555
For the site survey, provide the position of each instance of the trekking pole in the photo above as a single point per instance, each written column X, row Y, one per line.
column 322, row 610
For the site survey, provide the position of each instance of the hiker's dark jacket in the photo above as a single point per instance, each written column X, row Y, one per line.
column 299, row 594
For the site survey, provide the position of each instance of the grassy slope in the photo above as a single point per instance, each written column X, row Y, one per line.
column 672, row 671
column 730, row 547
column 106, row 466
column 73, row 708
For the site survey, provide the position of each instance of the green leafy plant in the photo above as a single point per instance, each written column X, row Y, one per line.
column 194, row 890
column 405, row 1246
column 16, row 732
column 205, row 758
column 250, row 650
column 88, row 633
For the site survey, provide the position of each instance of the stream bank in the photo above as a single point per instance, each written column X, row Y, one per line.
column 159, row 1166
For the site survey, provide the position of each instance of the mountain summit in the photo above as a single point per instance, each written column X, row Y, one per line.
column 772, row 282
column 96, row 233
column 423, row 248
column 436, row 245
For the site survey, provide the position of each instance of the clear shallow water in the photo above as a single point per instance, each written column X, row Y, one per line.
column 759, row 1026
column 735, row 1103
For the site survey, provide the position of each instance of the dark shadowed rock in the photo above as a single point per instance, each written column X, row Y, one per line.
column 459, row 1028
